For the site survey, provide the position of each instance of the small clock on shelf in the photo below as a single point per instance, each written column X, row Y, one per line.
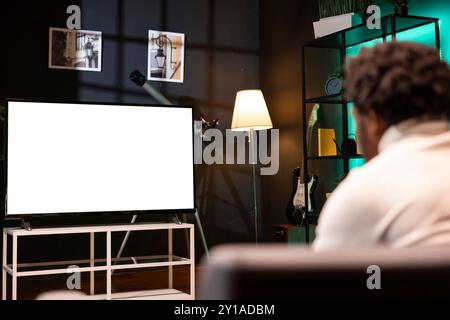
column 334, row 83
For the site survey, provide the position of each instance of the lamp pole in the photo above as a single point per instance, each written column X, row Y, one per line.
column 252, row 144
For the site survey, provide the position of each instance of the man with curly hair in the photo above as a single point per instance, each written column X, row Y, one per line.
column 401, row 196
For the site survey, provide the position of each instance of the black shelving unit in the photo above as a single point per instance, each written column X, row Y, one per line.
column 391, row 26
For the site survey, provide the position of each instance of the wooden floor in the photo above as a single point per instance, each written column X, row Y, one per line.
column 30, row 288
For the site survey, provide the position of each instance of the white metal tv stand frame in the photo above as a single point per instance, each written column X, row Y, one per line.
column 15, row 269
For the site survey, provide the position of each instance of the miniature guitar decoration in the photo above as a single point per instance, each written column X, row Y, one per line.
column 296, row 211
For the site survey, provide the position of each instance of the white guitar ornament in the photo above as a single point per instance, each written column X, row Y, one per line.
column 299, row 198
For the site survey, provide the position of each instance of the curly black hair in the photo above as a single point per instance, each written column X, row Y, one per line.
column 399, row 81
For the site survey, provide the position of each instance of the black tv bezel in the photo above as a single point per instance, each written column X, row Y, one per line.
column 34, row 216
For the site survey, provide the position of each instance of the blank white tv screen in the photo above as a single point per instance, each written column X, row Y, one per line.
column 87, row 158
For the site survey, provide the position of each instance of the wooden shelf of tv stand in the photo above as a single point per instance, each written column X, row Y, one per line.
column 96, row 229
column 61, row 267
column 108, row 264
column 160, row 294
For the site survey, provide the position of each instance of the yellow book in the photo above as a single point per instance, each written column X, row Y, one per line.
column 327, row 147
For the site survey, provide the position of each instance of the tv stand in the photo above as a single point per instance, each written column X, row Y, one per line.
column 15, row 269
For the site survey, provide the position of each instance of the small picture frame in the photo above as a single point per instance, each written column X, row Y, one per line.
column 165, row 56
column 75, row 49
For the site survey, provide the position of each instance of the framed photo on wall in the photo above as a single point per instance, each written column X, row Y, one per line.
column 75, row 49
column 165, row 56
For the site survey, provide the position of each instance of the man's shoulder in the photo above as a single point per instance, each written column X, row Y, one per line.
column 366, row 182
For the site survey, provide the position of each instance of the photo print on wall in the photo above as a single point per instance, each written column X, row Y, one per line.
column 165, row 56
column 75, row 49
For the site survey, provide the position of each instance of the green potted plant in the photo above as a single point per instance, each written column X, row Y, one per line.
column 401, row 7
column 332, row 8
column 362, row 8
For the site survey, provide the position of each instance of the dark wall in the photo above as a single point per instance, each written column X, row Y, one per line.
column 24, row 54
column 285, row 26
column 222, row 57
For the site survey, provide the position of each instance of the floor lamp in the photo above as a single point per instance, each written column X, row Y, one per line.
column 250, row 114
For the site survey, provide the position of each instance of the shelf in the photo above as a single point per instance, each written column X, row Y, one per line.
column 359, row 156
column 61, row 267
column 330, row 99
column 97, row 228
column 152, row 262
column 149, row 260
column 160, row 294
column 338, row 46
column 360, row 34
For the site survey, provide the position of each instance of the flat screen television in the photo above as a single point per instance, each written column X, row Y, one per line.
column 92, row 158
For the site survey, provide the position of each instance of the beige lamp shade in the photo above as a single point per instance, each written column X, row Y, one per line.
column 250, row 112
